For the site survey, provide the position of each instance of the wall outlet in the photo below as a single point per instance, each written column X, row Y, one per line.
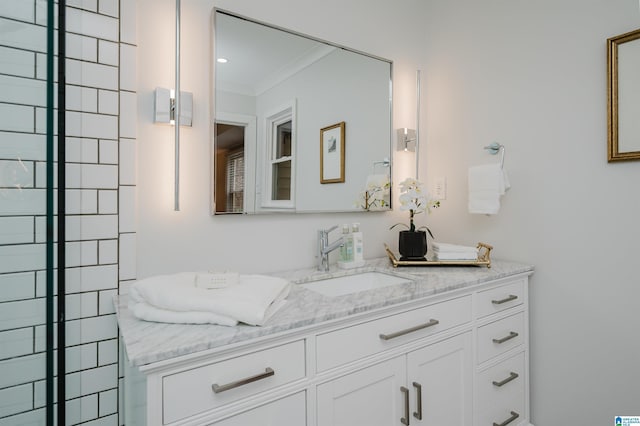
column 440, row 188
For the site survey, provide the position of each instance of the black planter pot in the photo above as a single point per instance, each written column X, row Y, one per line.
column 412, row 245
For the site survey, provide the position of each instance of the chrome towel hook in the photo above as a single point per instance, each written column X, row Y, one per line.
column 494, row 148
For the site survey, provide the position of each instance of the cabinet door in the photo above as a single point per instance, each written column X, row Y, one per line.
column 440, row 380
column 367, row 397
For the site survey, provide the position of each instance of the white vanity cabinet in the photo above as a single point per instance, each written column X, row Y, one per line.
column 369, row 396
column 440, row 377
column 187, row 392
column 502, row 380
column 429, row 384
column 456, row 358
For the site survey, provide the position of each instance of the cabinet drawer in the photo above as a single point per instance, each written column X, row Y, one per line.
column 351, row 343
column 288, row 411
column 501, row 391
column 500, row 336
column 192, row 391
column 500, row 298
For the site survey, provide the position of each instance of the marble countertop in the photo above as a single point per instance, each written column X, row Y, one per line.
column 149, row 342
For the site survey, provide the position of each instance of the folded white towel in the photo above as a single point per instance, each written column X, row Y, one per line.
column 453, row 248
column 455, row 256
column 175, row 298
column 144, row 311
column 216, row 279
column 445, row 251
column 487, row 183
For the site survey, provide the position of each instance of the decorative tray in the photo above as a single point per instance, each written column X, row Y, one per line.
column 484, row 259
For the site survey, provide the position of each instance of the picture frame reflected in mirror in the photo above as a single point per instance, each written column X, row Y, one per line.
column 332, row 142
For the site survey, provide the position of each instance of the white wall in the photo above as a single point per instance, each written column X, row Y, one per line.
column 532, row 76
column 192, row 239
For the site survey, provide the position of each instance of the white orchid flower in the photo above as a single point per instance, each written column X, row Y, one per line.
column 415, row 199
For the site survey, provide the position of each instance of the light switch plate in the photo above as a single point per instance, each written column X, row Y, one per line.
column 440, row 188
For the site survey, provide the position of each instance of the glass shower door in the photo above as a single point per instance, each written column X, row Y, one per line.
column 25, row 100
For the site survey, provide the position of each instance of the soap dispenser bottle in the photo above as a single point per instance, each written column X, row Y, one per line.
column 346, row 250
column 344, row 257
column 358, row 245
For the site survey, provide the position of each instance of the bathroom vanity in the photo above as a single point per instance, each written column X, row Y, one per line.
column 449, row 345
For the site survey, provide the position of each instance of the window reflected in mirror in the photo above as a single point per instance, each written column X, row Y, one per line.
column 282, row 166
column 280, row 160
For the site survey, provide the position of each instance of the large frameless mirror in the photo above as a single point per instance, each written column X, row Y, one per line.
column 624, row 96
column 276, row 93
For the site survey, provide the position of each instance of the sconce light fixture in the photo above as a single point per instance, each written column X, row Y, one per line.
column 165, row 107
column 406, row 140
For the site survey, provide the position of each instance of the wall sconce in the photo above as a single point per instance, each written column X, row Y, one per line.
column 165, row 107
column 406, row 140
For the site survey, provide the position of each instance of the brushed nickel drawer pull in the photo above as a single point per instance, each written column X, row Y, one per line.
column 431, row 323
column 511, row 377
column 268, row 372
column 418, row 414
column 514, row 416
column 511, row 335
column 505, row 300
column 405, row 420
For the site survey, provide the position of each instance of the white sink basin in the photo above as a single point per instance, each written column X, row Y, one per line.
column 348, row 284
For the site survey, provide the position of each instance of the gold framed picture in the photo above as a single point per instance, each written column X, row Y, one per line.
column 332, row 140
column 623, row 100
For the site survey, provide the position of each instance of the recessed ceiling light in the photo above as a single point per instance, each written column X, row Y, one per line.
column 222, row 60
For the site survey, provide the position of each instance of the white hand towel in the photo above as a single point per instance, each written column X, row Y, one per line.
column 175, row 298
column 487, row 183
column 455, row 256
column 445, row 251
column 453, row 248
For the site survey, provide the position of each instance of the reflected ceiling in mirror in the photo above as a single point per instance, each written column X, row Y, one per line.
column 274, row 93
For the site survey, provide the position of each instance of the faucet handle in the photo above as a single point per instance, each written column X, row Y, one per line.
column 334, row 227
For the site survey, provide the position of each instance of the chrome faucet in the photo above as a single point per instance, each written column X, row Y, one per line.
column 324, row 248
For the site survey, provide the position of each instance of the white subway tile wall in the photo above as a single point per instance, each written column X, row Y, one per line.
column 16, row 399
column 81, row 47
column 100, row 205
column 108, row 148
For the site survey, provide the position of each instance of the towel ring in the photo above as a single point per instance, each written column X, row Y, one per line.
column 494, row 148
column 384, row 163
